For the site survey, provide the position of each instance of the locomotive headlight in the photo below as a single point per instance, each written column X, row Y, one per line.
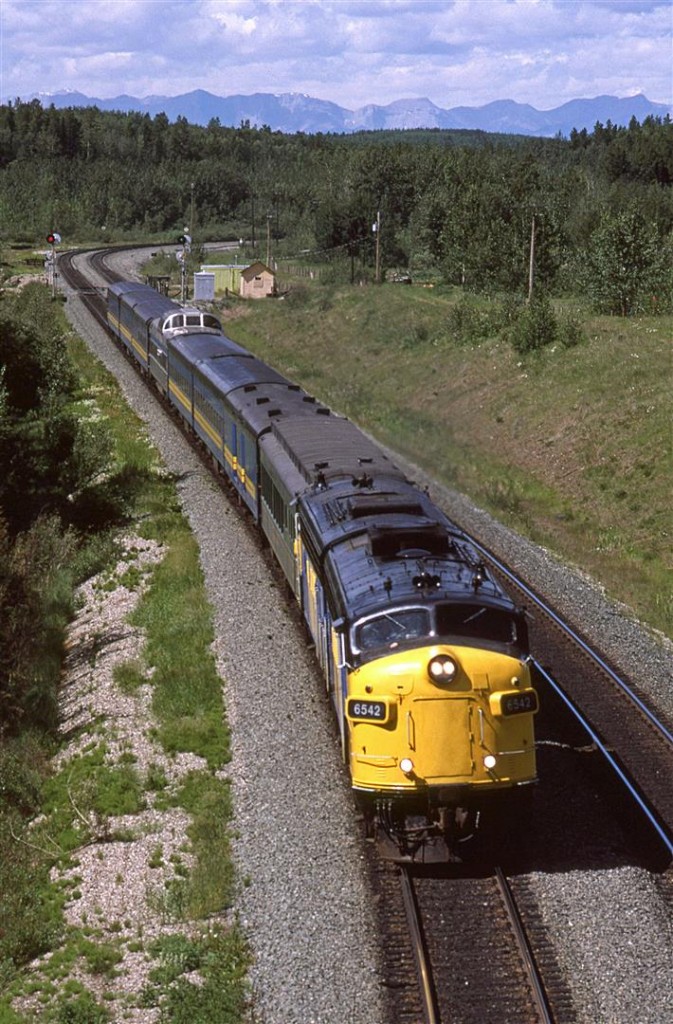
column 407, row 765
column 442, row 669
column 489, row 762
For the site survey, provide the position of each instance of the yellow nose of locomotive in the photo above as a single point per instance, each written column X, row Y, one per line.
column 441, row 716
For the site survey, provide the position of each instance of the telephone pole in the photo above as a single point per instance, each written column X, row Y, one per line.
column 531, row 263
column 377, row 231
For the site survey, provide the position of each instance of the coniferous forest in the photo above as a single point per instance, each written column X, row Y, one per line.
column 459, row 205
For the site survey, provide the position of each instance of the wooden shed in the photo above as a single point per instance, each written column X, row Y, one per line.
column 257, row 281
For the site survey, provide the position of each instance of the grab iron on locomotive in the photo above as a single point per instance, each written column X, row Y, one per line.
column 424, row 655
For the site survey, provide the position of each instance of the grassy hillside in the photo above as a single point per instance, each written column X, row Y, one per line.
column 571, row 446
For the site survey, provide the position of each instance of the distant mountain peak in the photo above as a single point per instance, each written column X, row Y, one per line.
column 297, row 112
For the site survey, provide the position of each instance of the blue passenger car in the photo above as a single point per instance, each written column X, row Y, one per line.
column 133, row 310
column 253, row 394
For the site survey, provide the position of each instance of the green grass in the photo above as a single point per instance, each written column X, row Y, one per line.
column 210, row 886
column 570, row 446
column 186, row 689
column 222, row 959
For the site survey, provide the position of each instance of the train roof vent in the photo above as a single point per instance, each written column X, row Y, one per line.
column 418, row 542
column 262, row 401
column 250, row 387
column 308, row 398
column 274, row 412
column 375, row 504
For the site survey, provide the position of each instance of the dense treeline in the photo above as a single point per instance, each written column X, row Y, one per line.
column 456, row 205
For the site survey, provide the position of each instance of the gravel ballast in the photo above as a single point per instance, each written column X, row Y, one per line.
column 304, row 902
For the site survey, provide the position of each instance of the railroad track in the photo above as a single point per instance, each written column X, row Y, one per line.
column 77, row 280
column 631, row 735
column 460, row 951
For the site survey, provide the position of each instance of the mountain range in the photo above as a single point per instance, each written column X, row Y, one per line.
column 296, row 112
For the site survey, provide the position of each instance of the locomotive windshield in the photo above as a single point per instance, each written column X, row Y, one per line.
column 393, row 627
column 478, row 621
column 449, row 622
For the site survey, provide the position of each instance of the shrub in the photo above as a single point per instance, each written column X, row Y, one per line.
column 469, row 322
column 535, row 327
column 35, row 605
column 570, row 332
column 83, row 1009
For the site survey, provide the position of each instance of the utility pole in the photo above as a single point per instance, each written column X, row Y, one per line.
column 377, row 231
column 268, row 238
column 252, row 217
column 531, row 263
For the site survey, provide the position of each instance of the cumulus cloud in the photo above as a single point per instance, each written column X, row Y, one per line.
column 454, row 52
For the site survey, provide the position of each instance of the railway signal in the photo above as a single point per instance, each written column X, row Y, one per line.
column 185, row 241
column 53, row 238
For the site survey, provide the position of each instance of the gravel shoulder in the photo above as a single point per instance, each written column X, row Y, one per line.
column 304, row 901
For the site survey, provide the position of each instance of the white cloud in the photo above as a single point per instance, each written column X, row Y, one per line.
column 453, row 51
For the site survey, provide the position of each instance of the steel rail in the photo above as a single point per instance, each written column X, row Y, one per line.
column 666, row 839
column 422, row 966
column 588, row 650
column 525, row 951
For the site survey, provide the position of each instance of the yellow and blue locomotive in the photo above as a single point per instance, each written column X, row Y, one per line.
column 423, row 654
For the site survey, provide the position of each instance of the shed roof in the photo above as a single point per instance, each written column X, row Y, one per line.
column 255, row 269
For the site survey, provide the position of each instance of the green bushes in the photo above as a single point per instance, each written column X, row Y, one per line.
column 538, row 325
column 49, row 451
column 48, row 455
column 472, row 320
column 35, row 605
column 528, row 327
column 535, row 326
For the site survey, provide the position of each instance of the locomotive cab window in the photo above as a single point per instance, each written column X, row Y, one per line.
column 477, row 622
column 392, row 628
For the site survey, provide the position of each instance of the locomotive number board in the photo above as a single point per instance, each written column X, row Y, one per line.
column 367, row 710
column 519, row 703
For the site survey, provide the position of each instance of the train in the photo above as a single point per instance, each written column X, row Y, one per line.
column 424, row 656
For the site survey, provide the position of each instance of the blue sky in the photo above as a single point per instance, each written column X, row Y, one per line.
column 454, row 52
